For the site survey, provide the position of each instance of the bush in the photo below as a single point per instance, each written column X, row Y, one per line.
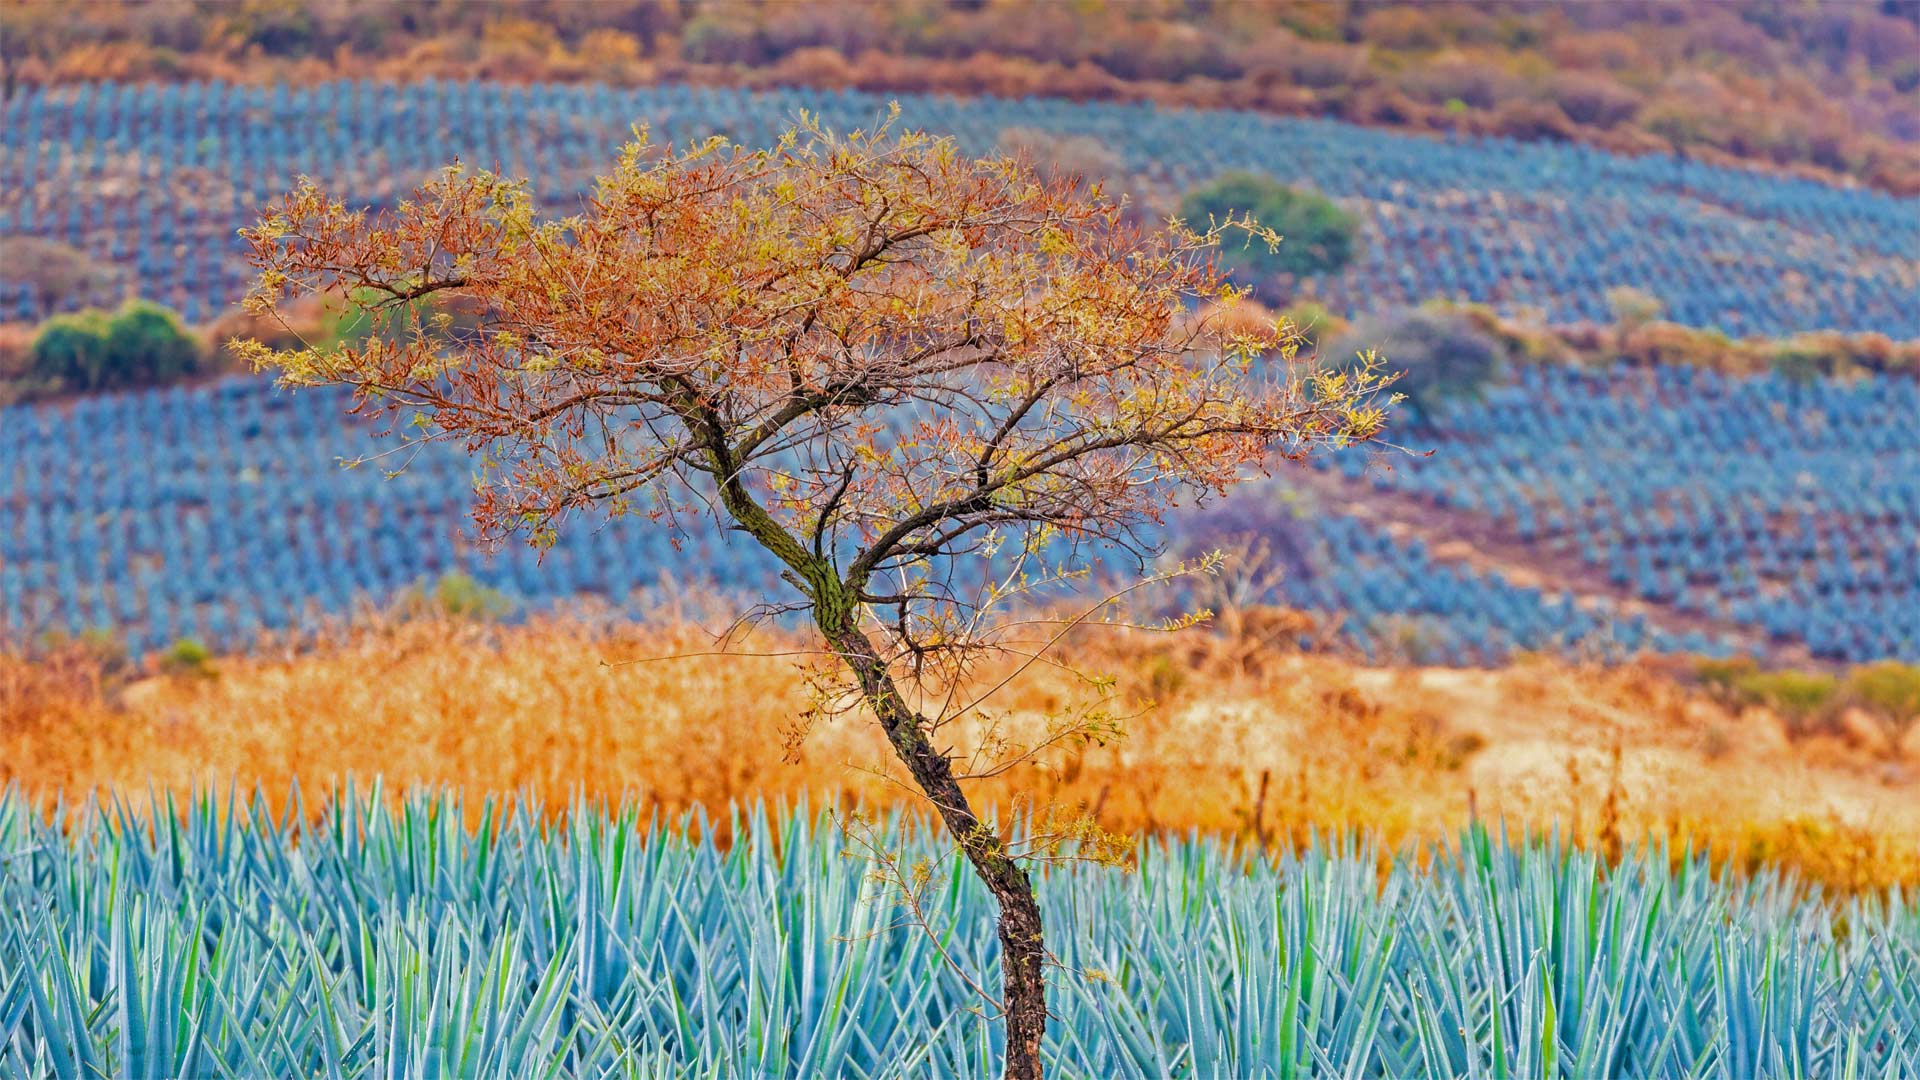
column 456, row 596
column 1317, row 237
column 188, row 657
column 1440, row 354
column 1532, row 120
column 1889, row 689
column 141, row 344
column 1474, row 84
column 1593, row 99
column 70, row 351
column 1058, row 156
column 146, row 344
column 1800, row 696
column 57, row 273
column 1315, row 323
column 1723, row 675
column 1086, row 161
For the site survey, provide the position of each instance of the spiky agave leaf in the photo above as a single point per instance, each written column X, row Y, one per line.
column 390, row 939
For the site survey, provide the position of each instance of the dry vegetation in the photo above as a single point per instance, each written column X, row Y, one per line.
column 1822, row 88
column 1246, row 740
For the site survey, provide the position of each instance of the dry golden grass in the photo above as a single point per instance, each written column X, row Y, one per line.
column 1257, row 743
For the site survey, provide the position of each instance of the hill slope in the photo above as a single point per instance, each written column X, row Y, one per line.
column 1828, row 88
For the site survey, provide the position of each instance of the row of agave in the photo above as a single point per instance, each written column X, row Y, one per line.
column 431, row 936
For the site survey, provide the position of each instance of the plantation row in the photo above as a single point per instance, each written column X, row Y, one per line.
column 1788, row 508
column 154, row 180
column 395, row 941
column 218, row 512
column 1394, row 602
column 1785, row 505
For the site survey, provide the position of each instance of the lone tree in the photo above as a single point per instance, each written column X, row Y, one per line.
column 913, row 377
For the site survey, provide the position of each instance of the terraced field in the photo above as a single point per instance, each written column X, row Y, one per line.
column 155, row 179
column 1662, row 509
column 1717, row 515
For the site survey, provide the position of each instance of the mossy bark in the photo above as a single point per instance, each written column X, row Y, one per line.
column 1022, row 943
column 835, row 606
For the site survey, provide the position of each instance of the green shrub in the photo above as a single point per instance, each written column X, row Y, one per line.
column 187, row 657
column 71, row 350
column 1889, row 688
column 1724, row 675
column 1801, row 361
column 147, row 344
column 457, row 596
column 1315, row 323
column 139, row 345
column 1317, row 237
column 1798, row 695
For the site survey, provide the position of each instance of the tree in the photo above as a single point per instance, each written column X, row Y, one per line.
column 1316, row 236
column 924, row 383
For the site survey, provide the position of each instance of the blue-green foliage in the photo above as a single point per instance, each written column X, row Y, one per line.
column 402, row 943
column 1543, row 229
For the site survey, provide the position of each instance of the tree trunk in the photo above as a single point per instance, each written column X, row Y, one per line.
column 1022, row 948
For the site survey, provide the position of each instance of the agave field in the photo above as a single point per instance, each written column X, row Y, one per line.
column 1764, row 512
column 1787, row 508
column 1771, row 510
column 370, row 934
column 156, row 179
column 380, row 937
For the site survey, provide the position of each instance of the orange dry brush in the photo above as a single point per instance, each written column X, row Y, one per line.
column 938, row 318
column 1247, row 741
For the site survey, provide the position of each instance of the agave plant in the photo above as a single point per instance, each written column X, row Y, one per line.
column 430, row 936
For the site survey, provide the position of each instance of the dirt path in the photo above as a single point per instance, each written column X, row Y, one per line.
column 1485, row 546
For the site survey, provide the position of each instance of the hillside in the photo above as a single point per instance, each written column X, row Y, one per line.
column 1828, row 89
column 150, row 182
column 1587, row 513
column 843, row 598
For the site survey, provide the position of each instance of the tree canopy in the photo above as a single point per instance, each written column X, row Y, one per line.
column 875, row 340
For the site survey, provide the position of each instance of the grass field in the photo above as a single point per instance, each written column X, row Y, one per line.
column 363, row 937
column 1244, row 741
